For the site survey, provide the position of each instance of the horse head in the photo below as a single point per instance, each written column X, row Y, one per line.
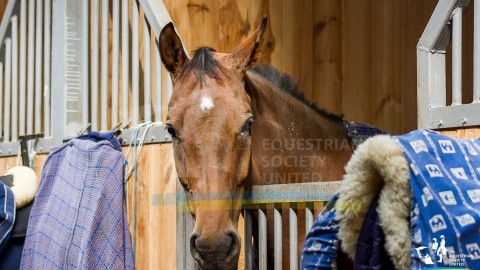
column 209, row 118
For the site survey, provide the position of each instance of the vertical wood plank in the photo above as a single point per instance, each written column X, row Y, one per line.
column 327, row 46
column 275, row 21
column 386, row 92
column 357, row 60
column 297, row 40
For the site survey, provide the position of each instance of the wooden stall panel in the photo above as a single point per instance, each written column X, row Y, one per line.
column 327, row 49
column 155, row 207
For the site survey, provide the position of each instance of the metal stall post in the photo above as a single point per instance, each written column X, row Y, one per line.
column 68, row 62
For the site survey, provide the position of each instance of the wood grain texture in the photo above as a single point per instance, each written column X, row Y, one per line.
column 327, row 49
column 8, row 162
column 357, row 60
column 462, row 133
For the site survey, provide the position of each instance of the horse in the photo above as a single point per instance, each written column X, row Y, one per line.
column 235, row 123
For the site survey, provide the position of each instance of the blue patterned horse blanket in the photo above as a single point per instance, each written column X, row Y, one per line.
column 445, row 209
column 78, row 220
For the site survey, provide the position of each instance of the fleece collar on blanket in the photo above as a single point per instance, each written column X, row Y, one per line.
column 377, row 167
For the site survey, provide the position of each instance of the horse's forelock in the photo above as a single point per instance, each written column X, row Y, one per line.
column 203, row 64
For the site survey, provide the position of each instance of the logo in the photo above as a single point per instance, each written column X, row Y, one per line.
column 447, row 197
column 465, row 220
column 419, row 146
column 459, row 173
column 438, row 251
column 471, row 149
column 474, row 195
column 473, row 251
column 437, row 223
column 446, row 146
column 423, row 255
column 426, row 196
column 433, row 170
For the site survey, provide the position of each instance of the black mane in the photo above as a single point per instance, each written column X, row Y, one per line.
column 202, row 64
column 289, row 85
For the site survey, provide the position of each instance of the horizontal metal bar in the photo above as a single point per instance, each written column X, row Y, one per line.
column 43, row 146
column 156, row 134
column 299, row 192
column 454, row 116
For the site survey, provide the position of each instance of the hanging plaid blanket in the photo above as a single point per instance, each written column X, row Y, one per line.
column 78, row 220
column 445, row 216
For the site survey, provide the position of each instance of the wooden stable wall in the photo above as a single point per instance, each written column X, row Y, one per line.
column 353, row 57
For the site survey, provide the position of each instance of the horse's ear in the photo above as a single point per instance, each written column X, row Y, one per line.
column 248, row 51
column 171, row 49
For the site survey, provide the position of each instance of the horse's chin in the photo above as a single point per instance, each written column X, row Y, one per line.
column 218, row 263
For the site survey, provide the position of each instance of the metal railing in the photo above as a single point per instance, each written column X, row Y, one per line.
column 445, row 27
column 73, row 63
column 292, row 197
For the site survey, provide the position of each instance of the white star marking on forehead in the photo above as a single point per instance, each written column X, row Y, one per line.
column 206, row 103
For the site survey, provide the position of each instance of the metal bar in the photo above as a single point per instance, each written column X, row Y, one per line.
column 115, row 45
column 125, row 64
column 38, row 67
column 1, row 101
column 158, row 87
column 135, row 64
column 308, row 218
column 476, row 52
column 104, row 74
column 248, row 239
column 58, row 84
column 157, row 14
column 85, row 48
column 46, row 70
column 94, row 65
column 30, row 65
column 23, row 66
column 57, row 71
column 293, row 238
column 147, row 94
column 14, row 21
column 8, row 79
column 457, row 56
column 262, row 239
column 301, row 192
column 277, row 237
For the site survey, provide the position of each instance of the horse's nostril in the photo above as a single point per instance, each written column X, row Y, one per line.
column 193, row 248
column 234, row 245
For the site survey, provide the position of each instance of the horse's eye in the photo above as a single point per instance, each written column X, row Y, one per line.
column 245, row 131
column 171, row 131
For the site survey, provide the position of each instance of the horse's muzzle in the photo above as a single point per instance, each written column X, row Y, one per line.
column 219, row 252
